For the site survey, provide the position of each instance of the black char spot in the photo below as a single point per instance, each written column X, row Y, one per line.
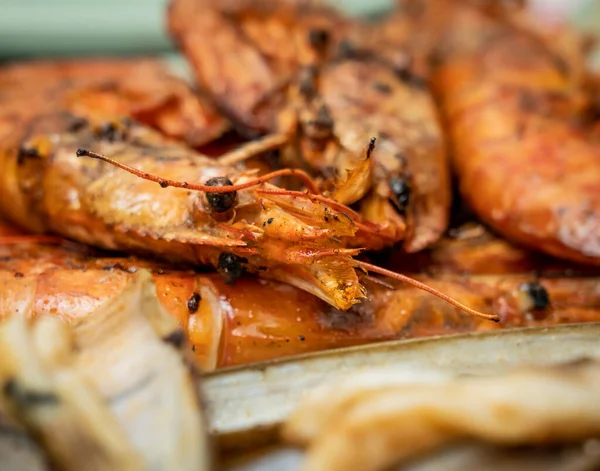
column 110, row 132
column 318, row 38
column 408, row 77
column 307, row 81
column 77, row 123
column 382, row 88
column 323, row 121
column 25, row 153
column 194, row 303
column 346, row 49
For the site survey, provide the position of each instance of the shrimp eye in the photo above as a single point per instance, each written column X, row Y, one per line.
column 231, row 266
column 401, row 190
column 537, row 294
column 220, row 202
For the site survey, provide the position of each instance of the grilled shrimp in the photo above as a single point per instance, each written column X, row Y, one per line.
column 141, row 89
column 256, row 320
column 299, row 73
column 289, row 237
column 526, row 157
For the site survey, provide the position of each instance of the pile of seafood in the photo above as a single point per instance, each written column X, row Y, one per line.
column 323, row 181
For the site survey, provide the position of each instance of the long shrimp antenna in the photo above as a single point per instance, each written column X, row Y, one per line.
column 164, row 182
column 313, row 191
column 406, row 279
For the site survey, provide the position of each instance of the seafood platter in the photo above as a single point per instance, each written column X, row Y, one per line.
column 340, row 243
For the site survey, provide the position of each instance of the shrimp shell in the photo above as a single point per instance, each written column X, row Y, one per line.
column 305, row 71
column 46, row 188
column 257, row 320
column 528, row 163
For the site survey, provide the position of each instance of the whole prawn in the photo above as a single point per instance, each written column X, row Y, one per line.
column 524, row 150
column 256, row 320
column 47, row 188
column 310, row 79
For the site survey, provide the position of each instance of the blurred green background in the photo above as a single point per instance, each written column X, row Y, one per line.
column 42, row 28
column 34, row 28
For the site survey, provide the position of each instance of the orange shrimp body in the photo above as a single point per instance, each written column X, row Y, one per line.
column 299, row 70
column 410, row 170
column 257, row 320
column 277, row 234
column 527, row 160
